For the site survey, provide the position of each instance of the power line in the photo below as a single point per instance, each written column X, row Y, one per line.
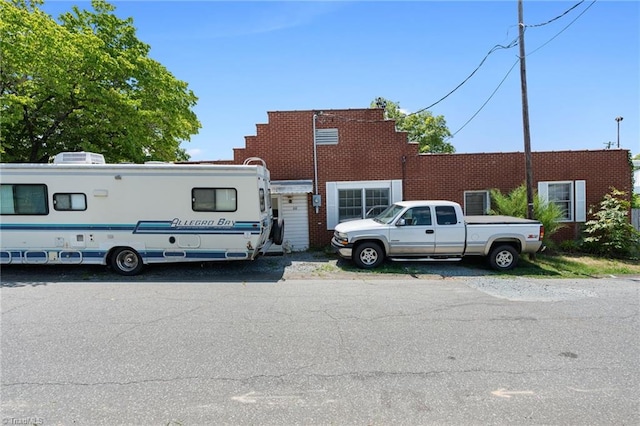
column 562, row 30
column 557, row 17
column 493, row 49
column 515, row 63
column 509, row 46
column 485, row 102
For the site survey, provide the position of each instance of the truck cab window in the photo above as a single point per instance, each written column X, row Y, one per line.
column 446, row 215
column 417, row 216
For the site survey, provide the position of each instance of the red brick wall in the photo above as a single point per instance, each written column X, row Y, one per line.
column 369, row 148
column 446, row 176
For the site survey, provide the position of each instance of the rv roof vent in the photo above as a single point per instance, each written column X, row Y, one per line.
column 78, row 158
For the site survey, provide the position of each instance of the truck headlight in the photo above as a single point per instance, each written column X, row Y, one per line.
column 342, row 237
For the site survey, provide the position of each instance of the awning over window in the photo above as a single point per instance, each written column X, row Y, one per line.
column 291, row 186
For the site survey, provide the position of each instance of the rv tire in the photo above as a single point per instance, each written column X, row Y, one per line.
column 277, row 233
column 126, row 261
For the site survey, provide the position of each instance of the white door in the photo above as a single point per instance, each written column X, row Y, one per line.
column 295, row 212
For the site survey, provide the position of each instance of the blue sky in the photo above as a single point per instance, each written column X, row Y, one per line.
column 243, row 59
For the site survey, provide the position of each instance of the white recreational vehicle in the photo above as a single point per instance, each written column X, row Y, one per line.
column 79, row 210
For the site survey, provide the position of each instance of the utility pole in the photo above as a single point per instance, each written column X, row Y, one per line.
column 525, row 116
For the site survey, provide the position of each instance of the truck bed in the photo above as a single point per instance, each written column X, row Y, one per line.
column 496, row 220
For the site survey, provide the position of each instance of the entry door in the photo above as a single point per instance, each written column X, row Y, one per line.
column 293, row 209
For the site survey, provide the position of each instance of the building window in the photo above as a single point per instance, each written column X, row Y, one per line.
column 66, row 202
column 376, row 201
column 361, row 203
column 23, row 199
column 359, row 199
column 214, row 199
column 326, row 136
column 568, row 195
column 561, row 195
column 476, row 203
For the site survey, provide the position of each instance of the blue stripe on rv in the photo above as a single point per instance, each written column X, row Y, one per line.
column 63, row 227
column 168, row 227
column 142, row 227
column 24, row 256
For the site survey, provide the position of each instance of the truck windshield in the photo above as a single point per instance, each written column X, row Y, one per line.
column 388, row 214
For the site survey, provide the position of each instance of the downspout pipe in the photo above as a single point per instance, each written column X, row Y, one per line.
column 315, row 159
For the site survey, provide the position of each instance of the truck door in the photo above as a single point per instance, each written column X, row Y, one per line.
column 450, row 232
column 413, row 233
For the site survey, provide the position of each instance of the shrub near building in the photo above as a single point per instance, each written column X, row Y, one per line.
column 610, row 233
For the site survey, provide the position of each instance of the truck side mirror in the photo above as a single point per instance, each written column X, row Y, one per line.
column 401, row 222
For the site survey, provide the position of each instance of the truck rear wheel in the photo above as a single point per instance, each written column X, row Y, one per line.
column 503, row 258
column 368, row 255
column 126, row 261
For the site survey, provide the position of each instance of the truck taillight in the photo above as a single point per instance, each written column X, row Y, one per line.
column 541, row 233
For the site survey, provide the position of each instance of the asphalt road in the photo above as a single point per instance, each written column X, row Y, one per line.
column 325, row 349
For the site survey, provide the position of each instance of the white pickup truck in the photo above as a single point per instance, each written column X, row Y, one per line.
column 436, row 230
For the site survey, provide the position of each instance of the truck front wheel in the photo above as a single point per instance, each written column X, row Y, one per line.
column 503, row 258
column 368, row 255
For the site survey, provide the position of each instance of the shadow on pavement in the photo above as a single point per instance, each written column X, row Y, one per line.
column 265, row 269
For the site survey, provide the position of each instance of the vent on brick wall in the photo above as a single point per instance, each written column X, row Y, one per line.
column 326, row 136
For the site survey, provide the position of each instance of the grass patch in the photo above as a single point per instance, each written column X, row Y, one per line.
column 543, row 266
column 574, row 266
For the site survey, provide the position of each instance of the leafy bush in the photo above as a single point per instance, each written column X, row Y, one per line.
column 610, row 232
column 515, row 204
column 571, row 246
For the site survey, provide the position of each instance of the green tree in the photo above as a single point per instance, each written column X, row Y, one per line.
column 610, row 232
column 515, row 204
column 86, row 83
column 428, row 130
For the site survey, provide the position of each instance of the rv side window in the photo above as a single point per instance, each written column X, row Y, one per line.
column 27, row 199
column 263, row 206
column 214, row 199
column 67, row 202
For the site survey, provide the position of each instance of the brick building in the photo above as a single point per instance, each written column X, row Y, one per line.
column 357, row 162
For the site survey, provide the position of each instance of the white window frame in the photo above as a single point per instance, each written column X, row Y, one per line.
column 577, row 194
column 487, row 201
column 332, row 188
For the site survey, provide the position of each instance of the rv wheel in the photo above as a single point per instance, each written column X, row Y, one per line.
column 126, row 261
column 277, row 232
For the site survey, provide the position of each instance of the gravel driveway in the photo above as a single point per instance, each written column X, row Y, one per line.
column 317, row 265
